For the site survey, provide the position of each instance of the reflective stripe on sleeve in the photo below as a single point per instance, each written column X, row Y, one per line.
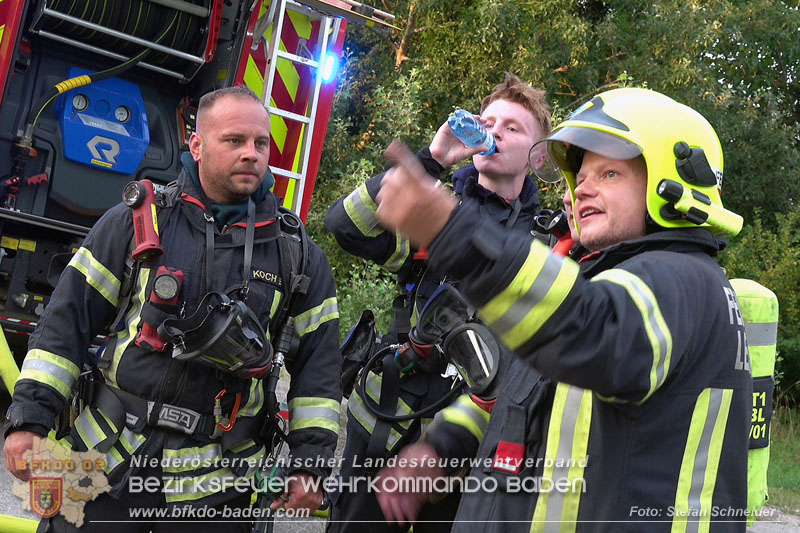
column 255, row 399
column 465, row 413
column 97, row 275
column 129, row 441
column 133, row 319
column 310, row 320
column 655, row 326
column 401, row 251
column 361, row 209
column 312, row 412
column 536, row 292
column 194, row 485
column 51, row 369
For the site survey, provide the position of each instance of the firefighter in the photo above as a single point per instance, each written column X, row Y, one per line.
column 650, row 416
column 221, row 233
column 518, row 116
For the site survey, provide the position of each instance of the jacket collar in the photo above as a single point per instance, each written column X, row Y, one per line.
column 226, row 214
column 689, row 240
column 465, row 183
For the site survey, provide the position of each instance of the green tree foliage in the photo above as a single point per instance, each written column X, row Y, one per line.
column 735, row 61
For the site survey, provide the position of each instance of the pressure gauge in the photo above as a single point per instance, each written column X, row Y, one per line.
column 80, row 102
column 122, row 113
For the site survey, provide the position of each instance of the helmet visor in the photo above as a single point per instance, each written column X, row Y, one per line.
column 548, row 158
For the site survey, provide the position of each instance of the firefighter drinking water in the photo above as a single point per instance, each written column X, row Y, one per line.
column 517, row 115
column 644, row 338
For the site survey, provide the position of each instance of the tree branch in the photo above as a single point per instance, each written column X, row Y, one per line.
column 565, row 68
column 400, row 55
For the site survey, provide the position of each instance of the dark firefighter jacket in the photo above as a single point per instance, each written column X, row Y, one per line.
column 353, row 222
column 86, row 301
column 650, row 418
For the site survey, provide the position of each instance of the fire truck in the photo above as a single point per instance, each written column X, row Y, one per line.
column 97, row 93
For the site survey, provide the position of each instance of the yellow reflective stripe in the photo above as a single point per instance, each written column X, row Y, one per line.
column 133, row 318
column 50, row 369
column 130, row 440
column 565, row 459
column 190, row 459
column 245, row 444
column 373, row 388
column 278, row 130
column 700, row 463
column 276, row 300
column 312, row 412
column 89, row 430
column 111, row 425
column 97, row 275
column 357, row 409
column 253, row 77
column 113, row 459
column 654, row 324
column 310, row 320
column 536, row 292
column 401, row 251
column 465, row 413
column 186, row 489
column 424, row 423
column 361, row 209
column 288, row 75
column 255, row 399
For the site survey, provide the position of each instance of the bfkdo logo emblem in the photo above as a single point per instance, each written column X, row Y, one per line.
column 46, row 496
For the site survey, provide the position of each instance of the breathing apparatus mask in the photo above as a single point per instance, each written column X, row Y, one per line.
column 223, row 334
column 447, row 336
column 448, row 327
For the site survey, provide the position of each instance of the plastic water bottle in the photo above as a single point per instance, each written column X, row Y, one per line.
column 471, row 132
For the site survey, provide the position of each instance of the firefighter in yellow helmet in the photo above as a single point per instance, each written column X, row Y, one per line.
column 649, row 419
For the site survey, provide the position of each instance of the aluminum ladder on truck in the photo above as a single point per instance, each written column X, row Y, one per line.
column 330, row 17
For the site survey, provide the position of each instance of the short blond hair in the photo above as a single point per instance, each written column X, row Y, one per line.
column 515, row 90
